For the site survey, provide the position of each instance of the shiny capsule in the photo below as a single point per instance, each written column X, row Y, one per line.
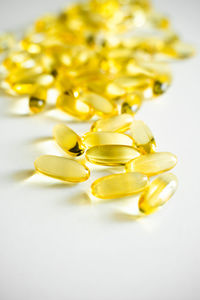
column 143, row 137
column 37, row 100
column 68, row 140
column 158, row 193
column 101, row 105
column 111, row 155
column 152, row 164
column 91, row 139
column 131, row 103
column 119, row 123
column 74, row 107
column 61, row 168
column 119, row 185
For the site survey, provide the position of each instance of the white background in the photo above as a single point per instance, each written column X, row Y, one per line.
column 55, row 244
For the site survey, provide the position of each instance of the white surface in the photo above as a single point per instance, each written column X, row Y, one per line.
column 55, row 245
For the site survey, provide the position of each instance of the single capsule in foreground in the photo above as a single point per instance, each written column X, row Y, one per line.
column 119, row 123
column 158, row 193
column 111, row 155
column 68, row 140
column 91, row 139
column 143, row 137
column 61, row 168
column 37, row 100
column 119, row 185
column 152, row 164
column 74, row 107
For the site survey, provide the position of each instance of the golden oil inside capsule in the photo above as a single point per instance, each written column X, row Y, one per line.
column 102, row 106
column 119, row 185
column 111, row 155
column 37, row 100
column 152, row 164
column 74, row 107
column 91, row 139
column 158, row 193
column 143, row 137
column 68, row 140
column 119, row 123
column 131, row 103
column 61, row 168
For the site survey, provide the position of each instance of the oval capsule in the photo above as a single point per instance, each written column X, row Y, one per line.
column 68, row 140
column 119, row 185
column 61, row 168
column 74, row 107
column 37, row 100
column 91, row 139
column 158, row 193
column 143, row 137
column 131, row 103
column 101, row 105
column 152, row 164
column 119, row 123
column 111, row 155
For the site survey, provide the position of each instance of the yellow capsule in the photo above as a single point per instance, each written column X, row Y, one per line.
column 68, row 140
column 143, row 137
column 111, row 155
column 62, row 168
column 131, row 103
column 7, row 40
column 24, row 88
column 131, row 83
column 119, row 185
column 118, row 123
column 161, row 84
column 158, row 193
column 152, row 164
column 74, row 107
column 101, row 105
column 91, row 139
column 183, row 50
column 37, row 100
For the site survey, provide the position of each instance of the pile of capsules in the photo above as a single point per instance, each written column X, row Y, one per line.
column 103, row 58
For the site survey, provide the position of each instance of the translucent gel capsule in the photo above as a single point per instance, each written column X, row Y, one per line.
column 131, row 103
column 161, row 84
column 111, row 155
column 74, row 107
column 183, row 50
column 101, row 105
column 143, row 137
column 62, row 168
column 91, row 139
column 68, row 140
column 152, row 164
column 37, row 100
column 118, row 123
column 158, row 193
column 119, row 185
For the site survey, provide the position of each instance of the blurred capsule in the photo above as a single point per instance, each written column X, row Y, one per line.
column 118, row 123
column 37, row 100
column 101, row 105
column 131, row 103
column 74, row 107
